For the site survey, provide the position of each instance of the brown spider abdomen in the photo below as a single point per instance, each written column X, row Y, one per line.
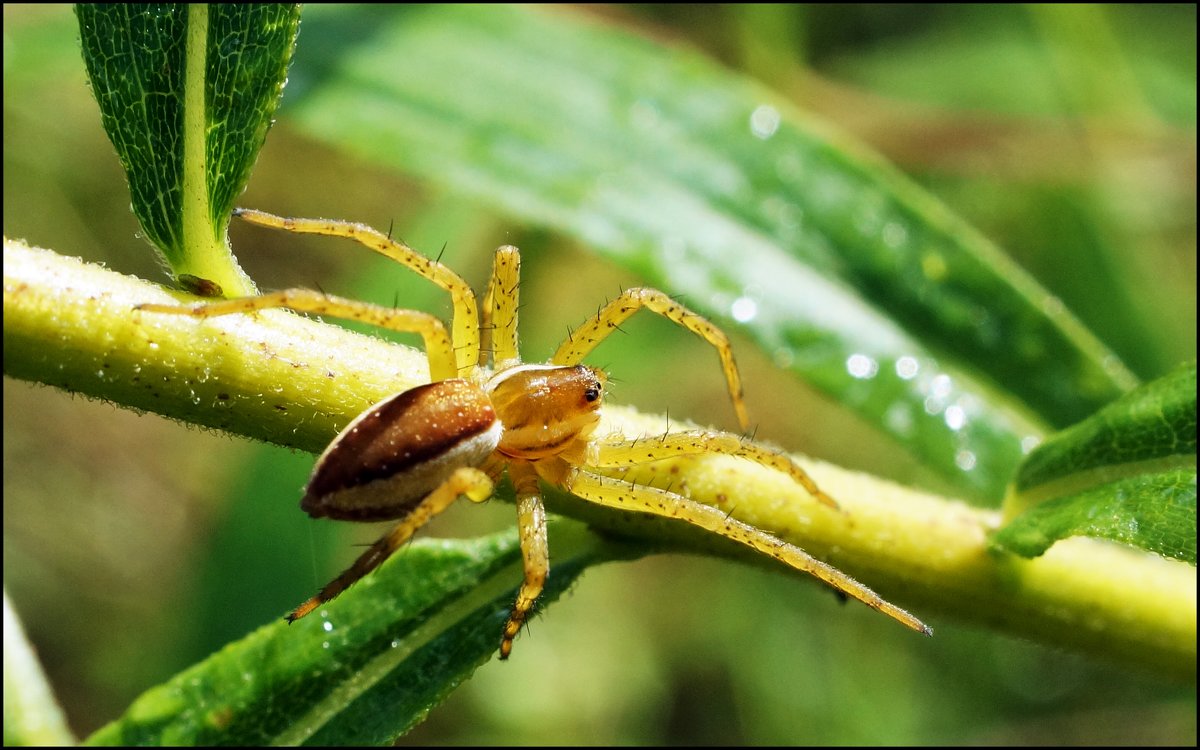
column 401, row 449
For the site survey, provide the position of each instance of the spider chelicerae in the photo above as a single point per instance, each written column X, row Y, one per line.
column 408, row 457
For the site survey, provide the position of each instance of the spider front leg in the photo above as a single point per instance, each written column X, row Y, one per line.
column 611, row 316
column 535, row 551
column 438, row 347
column 698, row 442
column 626, row 496
column 498, row 327
column 465, row 326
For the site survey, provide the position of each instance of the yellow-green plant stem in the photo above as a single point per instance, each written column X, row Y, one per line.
column 273, row 376
column 292, row 381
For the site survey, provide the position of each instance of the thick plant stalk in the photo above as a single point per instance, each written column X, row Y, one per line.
column 291, row 381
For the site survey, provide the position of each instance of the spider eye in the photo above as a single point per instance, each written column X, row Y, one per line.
column 591, row 394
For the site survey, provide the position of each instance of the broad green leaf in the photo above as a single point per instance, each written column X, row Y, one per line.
column 364, row 668
column 186, row 94
column 710, row 186
column 1056, row 216
column 1127, row 473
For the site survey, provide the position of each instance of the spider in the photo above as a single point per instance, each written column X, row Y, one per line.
column 411, row 455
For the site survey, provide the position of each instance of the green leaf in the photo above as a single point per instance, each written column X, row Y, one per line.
column 186, row 94
column 1127, row 473
column 1156, row 421
column 1153, row 511
column 31, row 715
column 712, row 187
column 364, row 668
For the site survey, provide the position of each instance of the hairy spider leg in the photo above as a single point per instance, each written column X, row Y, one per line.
column 535, row 551
column 620, row 494
column 466, row 480
column 465, row 325
column 499, row 326
column 697, row 442
column 438, row 347
column 603, row 323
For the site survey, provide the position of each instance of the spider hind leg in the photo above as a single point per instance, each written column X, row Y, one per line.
column 442, row 364
column 467, row 481
column 465, row 325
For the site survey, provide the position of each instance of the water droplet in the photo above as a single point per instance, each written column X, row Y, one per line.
column 786, row 215
column 869, row 215
column 764, row 121
column 644, row 115
column 940, row 387
column 1052, row 305
column 899, row 419
column 1113, row 366
column 907, row 367
column 955, row 417
column 933, row 265
column 861, row 366
column 791, row 167
column 895, row 234
column 327, row 626
column 743, row 309
column 965, row 460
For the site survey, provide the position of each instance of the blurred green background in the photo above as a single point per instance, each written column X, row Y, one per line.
column 134, row 547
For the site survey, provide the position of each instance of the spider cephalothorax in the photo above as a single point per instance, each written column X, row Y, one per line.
column 411, row 455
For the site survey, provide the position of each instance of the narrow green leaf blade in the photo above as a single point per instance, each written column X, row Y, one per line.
column 710, row 187
column 140, row 105
column 375, row 716
column 250, row 46
column 364, row 668
column 1127, row 473
column 186, row 94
